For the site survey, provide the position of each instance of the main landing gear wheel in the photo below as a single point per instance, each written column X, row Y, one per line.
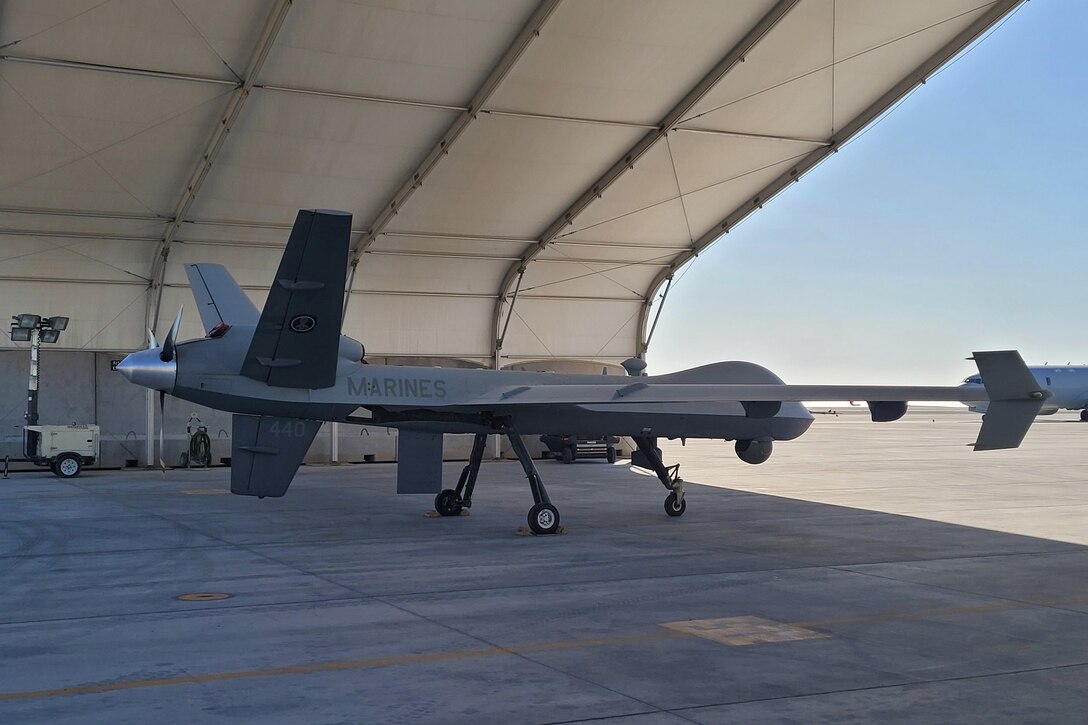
column 543, row 519
column 672, row 508
column 448, row 503
column 1084, row 416
column 68, row 466
column 567, row 456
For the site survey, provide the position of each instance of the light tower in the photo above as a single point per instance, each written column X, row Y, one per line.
column 35, row 329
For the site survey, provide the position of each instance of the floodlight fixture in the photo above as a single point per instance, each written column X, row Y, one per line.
column 49, row 328
column 28, row 322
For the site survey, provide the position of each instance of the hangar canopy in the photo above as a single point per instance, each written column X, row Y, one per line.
column 525, row 177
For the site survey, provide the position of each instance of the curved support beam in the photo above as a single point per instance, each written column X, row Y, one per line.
column 116, row 69
column 627, row 161
column 529, row 32
column 210, row 154
column 915, row 78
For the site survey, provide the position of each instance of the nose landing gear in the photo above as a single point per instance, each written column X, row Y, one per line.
column 675, row 505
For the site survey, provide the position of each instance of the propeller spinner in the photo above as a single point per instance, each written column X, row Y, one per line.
column 155, row 367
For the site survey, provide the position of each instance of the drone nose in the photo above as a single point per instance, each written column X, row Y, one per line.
column 125, row 367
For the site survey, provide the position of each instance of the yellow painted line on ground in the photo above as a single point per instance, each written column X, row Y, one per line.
column 744, row 630
column 339, row 666
column 203, row 596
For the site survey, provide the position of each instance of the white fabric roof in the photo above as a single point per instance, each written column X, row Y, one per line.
column 524, row 176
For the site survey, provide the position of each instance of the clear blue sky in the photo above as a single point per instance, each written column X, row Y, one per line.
column 954, row 224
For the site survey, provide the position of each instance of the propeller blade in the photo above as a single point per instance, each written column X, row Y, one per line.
column 162, row 426
column 170, row 343
column 152, row 343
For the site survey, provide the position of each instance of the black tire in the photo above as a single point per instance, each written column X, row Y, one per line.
column 543, row 519
column 568, row 454
column 1084, row 416
column 670, row 505
column 200, row 449
column 448, row 503
column 67, row 465
column 610, row 456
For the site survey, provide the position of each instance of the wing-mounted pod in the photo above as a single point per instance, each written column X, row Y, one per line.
column 885, row 411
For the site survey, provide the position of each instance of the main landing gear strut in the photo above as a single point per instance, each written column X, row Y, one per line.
column 451, row 501
column 543, row 516
column 675, row 505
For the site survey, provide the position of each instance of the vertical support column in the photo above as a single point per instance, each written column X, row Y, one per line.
column 334, row 442
column 496, row 439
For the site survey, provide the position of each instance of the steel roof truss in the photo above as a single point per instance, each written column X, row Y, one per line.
column 872, row 112
column 528, row 33
column 211, row 152
column 735, row 56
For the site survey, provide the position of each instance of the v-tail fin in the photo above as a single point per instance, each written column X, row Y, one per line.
column 219, row 299
column 266, row 452
column 1015, row 399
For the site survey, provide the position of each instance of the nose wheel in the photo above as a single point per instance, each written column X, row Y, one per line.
column 675, row 504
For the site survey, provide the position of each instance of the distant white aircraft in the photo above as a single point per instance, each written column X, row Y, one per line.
column 1069, row 385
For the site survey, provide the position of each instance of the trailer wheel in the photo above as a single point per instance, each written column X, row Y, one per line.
column 67, row 465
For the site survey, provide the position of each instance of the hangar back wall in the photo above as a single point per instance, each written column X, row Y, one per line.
column 81, row 387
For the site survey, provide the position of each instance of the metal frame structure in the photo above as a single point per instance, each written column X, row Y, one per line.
column 211, row 152
column 632, row 156
column 518, row 268
column 900, row 90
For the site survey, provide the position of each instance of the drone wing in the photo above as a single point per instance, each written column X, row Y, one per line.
column 1014, row 395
